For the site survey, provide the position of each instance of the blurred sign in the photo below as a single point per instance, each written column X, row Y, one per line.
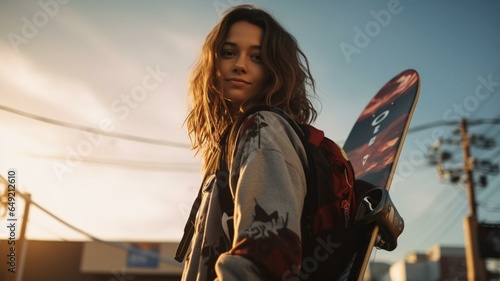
column 143, row 255
column 108, row 258
column 489, row 240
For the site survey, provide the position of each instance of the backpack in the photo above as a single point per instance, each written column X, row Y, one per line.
column 328, row 235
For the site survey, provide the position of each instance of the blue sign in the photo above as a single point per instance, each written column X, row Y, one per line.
column 143, row 255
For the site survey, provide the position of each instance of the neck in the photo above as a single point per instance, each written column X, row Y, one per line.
column 234, row 109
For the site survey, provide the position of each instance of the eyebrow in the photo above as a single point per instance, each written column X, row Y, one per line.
column 232, row 44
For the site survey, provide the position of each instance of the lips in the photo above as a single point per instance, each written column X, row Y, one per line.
column 237, row 81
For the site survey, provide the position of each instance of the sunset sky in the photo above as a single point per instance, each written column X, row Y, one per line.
column 121, row 68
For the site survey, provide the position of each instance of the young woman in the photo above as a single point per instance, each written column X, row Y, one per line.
column 245, row 224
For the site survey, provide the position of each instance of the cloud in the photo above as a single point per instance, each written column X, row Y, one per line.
column 72, row 71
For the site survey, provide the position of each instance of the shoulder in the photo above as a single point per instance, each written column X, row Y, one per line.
column 265, row 124
column 267, row 138
column 266, row 130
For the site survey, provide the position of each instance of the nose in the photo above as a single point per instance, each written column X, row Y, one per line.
column 240, row 65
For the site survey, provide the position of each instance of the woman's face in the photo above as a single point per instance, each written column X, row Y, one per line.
column 240, row 64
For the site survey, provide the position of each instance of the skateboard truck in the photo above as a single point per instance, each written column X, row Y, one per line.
column 376, row 207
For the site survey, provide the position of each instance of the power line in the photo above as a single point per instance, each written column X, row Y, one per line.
column 90, row 129
column 119, row 245
column 33, row 223
column 449, row 207
column 431, row 125
column 459, row 211
column 438, row 201
column 129, row 164
column 487, row 205
column 452, row 123
column 491, row 127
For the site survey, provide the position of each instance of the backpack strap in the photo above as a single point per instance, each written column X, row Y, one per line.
column 180, row 254
column 189, row 227
column 315, row 135
column 299, row 130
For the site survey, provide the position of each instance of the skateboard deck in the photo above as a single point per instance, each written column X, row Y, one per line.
column 373, row 146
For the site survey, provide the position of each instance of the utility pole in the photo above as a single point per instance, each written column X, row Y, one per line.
column 476, row 269
column 23, row 242
column 8, row 206
column 475, row 266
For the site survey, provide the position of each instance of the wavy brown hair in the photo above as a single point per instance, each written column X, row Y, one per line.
column 287, row 70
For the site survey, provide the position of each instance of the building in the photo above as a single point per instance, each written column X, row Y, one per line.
column 439, row 263
column 152, row 261
column 377, row 271
column 95, row 261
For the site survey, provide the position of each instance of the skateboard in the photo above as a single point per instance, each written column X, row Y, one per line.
column 373, row 146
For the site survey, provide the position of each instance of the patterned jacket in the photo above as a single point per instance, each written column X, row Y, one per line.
column 260, row 240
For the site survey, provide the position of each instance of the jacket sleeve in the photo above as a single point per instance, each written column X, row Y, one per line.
column 268, row 184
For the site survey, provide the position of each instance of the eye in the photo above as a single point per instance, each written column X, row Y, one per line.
column 227, row 53
column 257, row 58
